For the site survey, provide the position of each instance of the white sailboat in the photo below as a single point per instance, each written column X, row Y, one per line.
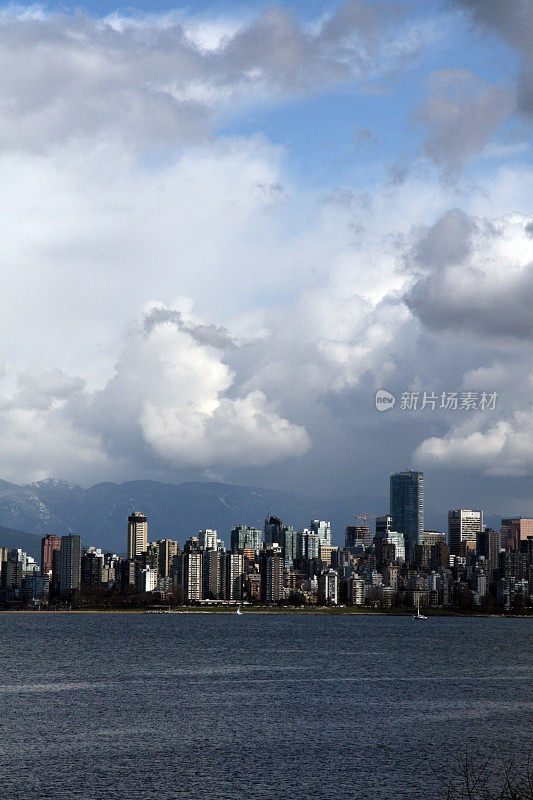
column 418, row 615
column 239, row 609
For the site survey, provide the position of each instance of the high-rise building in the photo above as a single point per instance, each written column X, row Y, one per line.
column 308, row 545
column 288, row 541
column 514, row 531
column 488, row 545
column 70, row 571
column 434, row 537
column 207, row 539
column 357, row 536
column 13, row 570
column 137, row 534
column 92, row 562
column 271, row 570
column 464, row 526
column 191, row 569
column 3, row 559
column 407, row 508
column 234, row 576
column 48, row 545
column 383, row 526
column 244, row 537
column 213, row 574
column 328, row 586
column 168, row 548
column 273, row 527
column 322, row 529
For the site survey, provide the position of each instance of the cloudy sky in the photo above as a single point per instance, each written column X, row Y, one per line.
column 224, row 226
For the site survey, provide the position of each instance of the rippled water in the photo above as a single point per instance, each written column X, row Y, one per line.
column 146, row 707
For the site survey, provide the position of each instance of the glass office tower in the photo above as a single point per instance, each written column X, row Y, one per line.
column 407, row 508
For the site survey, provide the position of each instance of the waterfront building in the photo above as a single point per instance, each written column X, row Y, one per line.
column 137, row 534
column 92, row 562
column 49, row 543
column 328, row 587
column 357, row 591
column 168, row 548
column 234, row 576
column 407, row 508
column 213, row 574
column 488, row 545
column 464, row 525
column 145, row 579
column 13, row 570
column 4, row 552
column 191, row 569
column 271, row 571
column 70, row 570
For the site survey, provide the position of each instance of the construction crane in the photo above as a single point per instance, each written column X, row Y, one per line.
column 365, row 517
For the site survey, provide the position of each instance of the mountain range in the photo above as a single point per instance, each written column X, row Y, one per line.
column 99, row 513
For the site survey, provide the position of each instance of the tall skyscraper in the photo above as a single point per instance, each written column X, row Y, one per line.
column 488, row 545
column 207, row 539
column 234, row 576
column 191, row 571
column 70, row 572
column 273, row 526
column 168, row 548
column 244, row 537
column 322, row 529
column 464, row 526
column 213, row 574
column 271, row 570
column 383, row 526
column 137, row 534
column 407, row 508
column 48, row 545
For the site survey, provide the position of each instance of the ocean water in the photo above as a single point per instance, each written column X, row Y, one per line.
column 221, row 707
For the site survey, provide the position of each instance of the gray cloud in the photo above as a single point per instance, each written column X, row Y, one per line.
column 209, row 335
column 468, row 285
column 461, row 114
column 148, row 83
column 513, row 22
column 448, row 241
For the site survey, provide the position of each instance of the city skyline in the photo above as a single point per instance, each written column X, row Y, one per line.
column 247, row 221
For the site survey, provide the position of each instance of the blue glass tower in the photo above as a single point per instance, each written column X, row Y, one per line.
column 407, row 508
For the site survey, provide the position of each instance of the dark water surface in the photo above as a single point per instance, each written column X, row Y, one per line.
column 146, row 707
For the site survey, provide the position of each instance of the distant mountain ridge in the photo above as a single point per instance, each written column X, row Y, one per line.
column 14, row 539
column 99, row 514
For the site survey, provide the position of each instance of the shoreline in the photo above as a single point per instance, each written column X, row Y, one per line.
column 258, row 611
